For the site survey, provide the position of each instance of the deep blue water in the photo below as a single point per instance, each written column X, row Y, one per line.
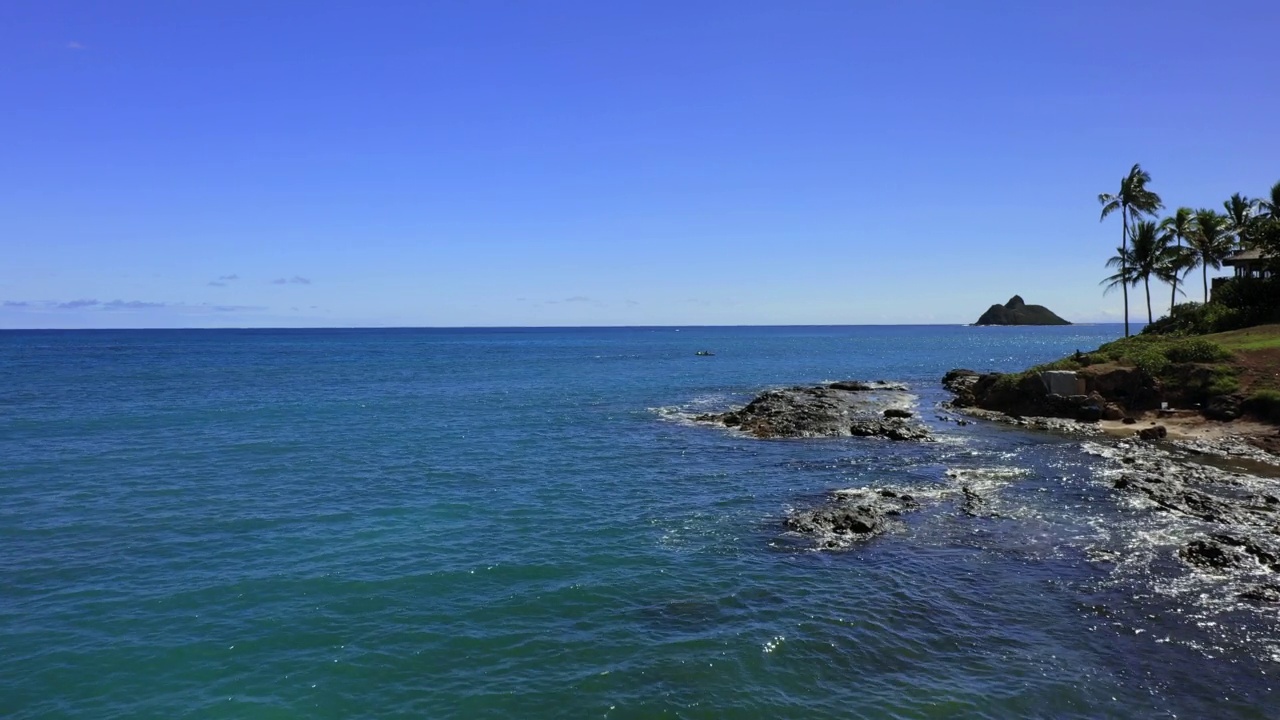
column 523, row 523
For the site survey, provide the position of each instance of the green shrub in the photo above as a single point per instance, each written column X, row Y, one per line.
column 1237, row 303
column 1224, row 382
column 1066, row 363
column 1155, row 353
column 1196, row 350
column 1264, row 404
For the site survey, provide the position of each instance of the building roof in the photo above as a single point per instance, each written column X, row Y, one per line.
column 1245, row 257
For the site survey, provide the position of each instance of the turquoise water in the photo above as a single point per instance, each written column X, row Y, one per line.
column 523, row 523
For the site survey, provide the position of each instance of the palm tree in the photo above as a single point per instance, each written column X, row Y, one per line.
column 1239, row 215
column 1124, row 276
column 1177, row 262
column 1271, row 206
column 1145, row 256
column 1133, row 200
column 1210, row 243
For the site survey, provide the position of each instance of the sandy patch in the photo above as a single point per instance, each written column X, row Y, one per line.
column 1192, row 427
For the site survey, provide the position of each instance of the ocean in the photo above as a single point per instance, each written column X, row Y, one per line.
column 526, row 523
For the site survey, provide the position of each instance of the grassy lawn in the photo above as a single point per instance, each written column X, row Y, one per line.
column 1262, row 337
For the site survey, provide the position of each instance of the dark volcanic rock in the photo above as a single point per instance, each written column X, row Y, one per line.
column 973, row 504
column 1267, row 593
column 1157, row 432
column 1017, row 312
column 1211, row 554
column 826, row 411
column 838, row 520
column 1201, row 491
column 893, row 429
column 1173, row 495
column 859, row 386
column 961, row 383
column 850, row 516
column 1112, row 391
column 1222, row 407
column 898, row 413
column 1228, row 551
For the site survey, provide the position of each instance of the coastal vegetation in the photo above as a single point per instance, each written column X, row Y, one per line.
column 1219, row 358
column 1245, row 233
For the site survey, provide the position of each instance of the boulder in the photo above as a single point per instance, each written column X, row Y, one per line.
column 1157, row 432
column 1222, row 407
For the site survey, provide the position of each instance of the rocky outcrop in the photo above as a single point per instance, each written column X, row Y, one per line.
column 1017, row 312
column 842, row 409
column 1108, row 392
column 851, row 515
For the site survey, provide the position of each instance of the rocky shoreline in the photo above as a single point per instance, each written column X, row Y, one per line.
column 1229, row 485
column 1227, row 495
column 850, row 408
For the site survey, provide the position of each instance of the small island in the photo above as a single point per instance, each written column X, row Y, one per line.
column 1018, row 312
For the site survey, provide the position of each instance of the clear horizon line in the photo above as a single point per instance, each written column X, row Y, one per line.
column 542, row 327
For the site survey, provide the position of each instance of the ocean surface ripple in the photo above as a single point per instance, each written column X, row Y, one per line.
column 525, row 523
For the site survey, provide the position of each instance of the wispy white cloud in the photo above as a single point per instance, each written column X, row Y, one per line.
column 76, row 304
column 295, row 280
column 73, row 45
column 131, row 305
column 236, row 308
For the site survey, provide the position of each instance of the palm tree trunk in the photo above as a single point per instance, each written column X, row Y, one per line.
column 1204, row 272
column 1173, row 296
column 1146, row 283
column 1124, row 269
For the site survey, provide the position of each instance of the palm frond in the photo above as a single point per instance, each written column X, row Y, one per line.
column 1110, row 203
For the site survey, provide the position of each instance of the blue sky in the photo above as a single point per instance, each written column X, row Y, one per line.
column 604, row 163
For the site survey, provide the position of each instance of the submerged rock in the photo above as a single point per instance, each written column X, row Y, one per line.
column 860, row 386
column 1229, row 551
column 1266, row 593
column 841, row 409
column 974, row 505
column 1210, row 554
column 851, row 515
